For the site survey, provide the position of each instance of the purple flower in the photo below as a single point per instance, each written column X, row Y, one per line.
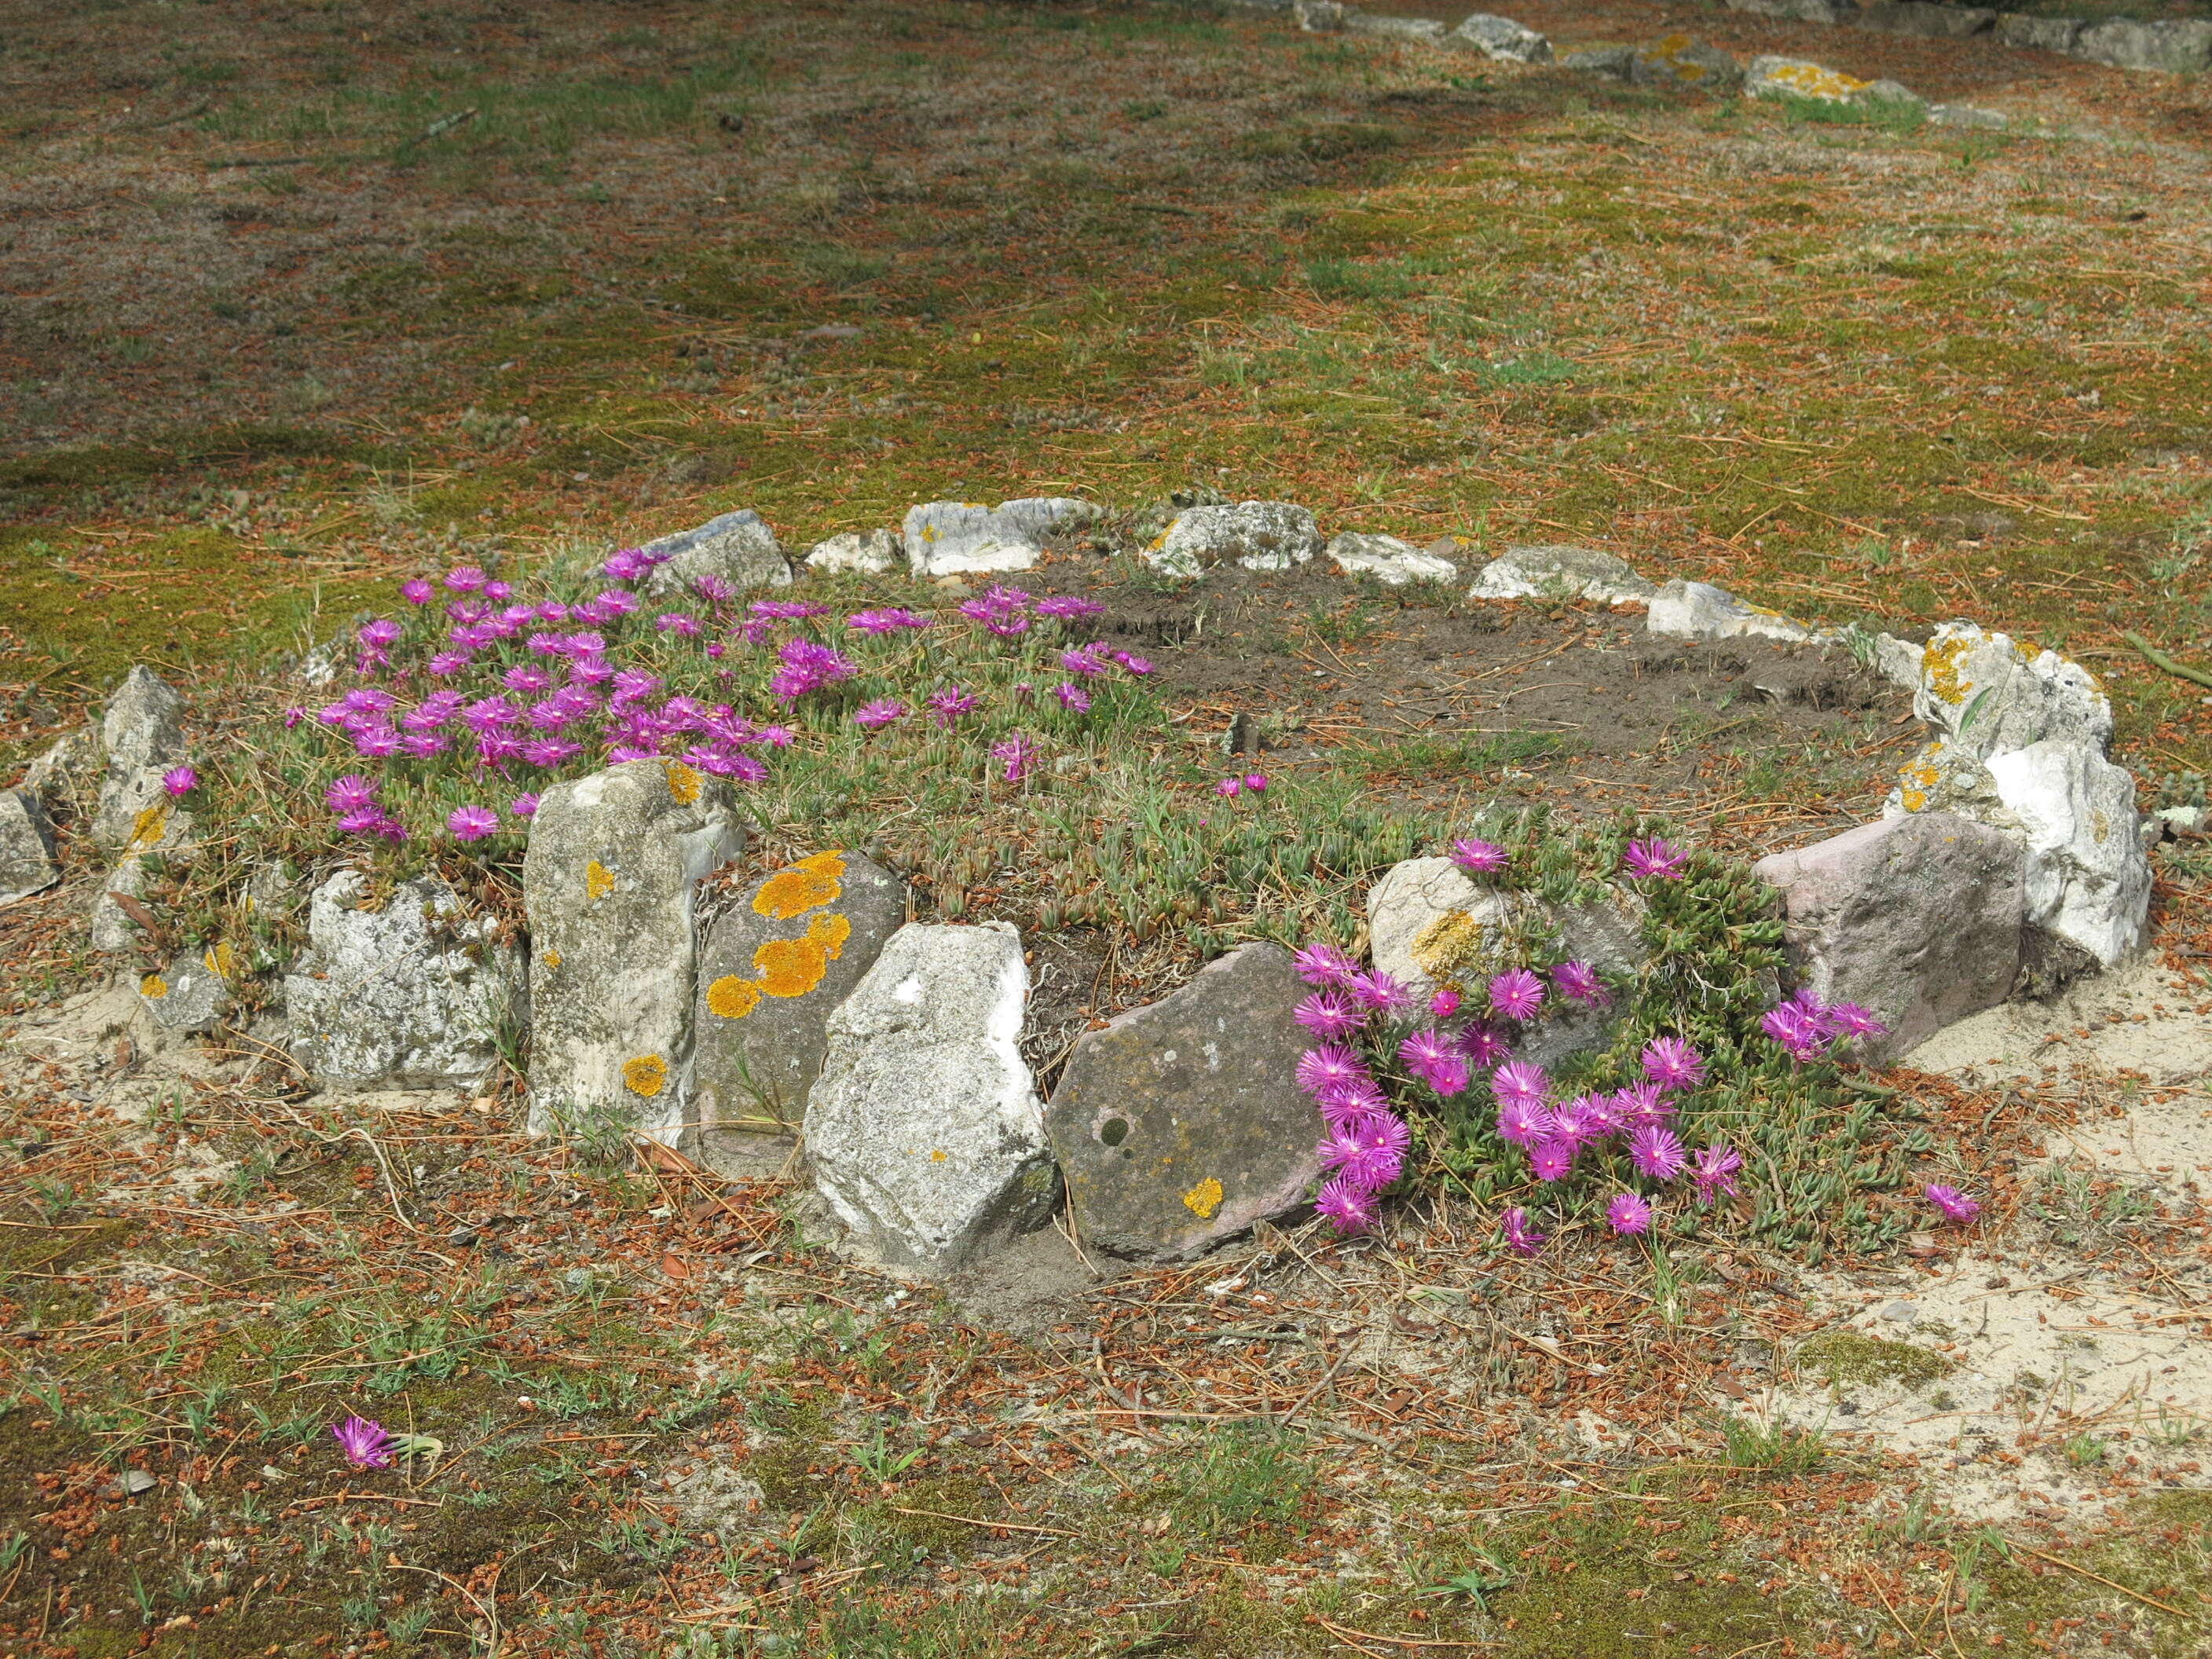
column 1954, row 1204
column 1324, row 965
column 1430, row 1056
column 1713, row 1170
column 1796, row 1031
column 786, row 610
column 1550, row 1159
column 948, row 705
column 464, row 579
column 882, row 712
column 807, row 667
column 416, row 592
column 378, row 634
column 471, row 823
column 1380, row 992
column 1523, row 1122
column 1516, row 994
column 1653, row 857
column 887, row 619
column 1328, row 1065
column 1628, row 1214
column 1444, row 1003
column 1520, row 1080
column 1017, row 753
column 1369, row 1152
column 1478, row 858
column 1640, row 1104
column 1067, row 607
column 1085, row 660
column 1578, row 1121
column 1329, row 1014
column 1673, row 1064
column 1847, row 1020
column 1002, row 610
column 179, row 782
column 1347, row 1207
column 1137, row 665
column 1228, row 786
column 680, row 622
column 1520, row 1238
column 1341, row 1103
column 1656, row 1151
column 1074, row 698
column 1256, row 782
column 627, row 565
column 351, row 793
column 1579, row 980
column 524, row 806
column 367, row 1445
column 447, row 663
column 1483, row 1046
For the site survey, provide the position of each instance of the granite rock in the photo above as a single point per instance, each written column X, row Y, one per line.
column 738, row 549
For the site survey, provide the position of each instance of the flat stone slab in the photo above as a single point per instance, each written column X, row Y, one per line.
column 1559, row 571
column 963, row 539
column 924, row 1133
column 1917, row 919
column 772, row 971
column 1258, row 534
column 1388, row 560
column 1182, row 1123
column 738, row 549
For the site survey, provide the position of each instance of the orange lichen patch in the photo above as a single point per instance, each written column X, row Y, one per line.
column 1918, row 780
column 551, row 959
column 1939, row 669
column 646, row 1075
column 222, row 959
column 732, row 997
column 830, row 931
column 150, row 825
column 1203, row 1200
column 153, row 987
column 1814, row 81
column 598, row 880
column 791, row 967
column 684, row 783
column 806, row 885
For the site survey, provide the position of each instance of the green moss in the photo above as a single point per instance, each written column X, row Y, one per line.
column 1846, row 1357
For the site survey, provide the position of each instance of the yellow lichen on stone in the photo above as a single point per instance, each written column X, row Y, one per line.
column 1449, row 941
column 1812, row 81
column 684, row 783
column 791, row 967
column 732, row 997
column 150, row 825
column 646, row 1075
column 1203, row 1200
column 830, row 930
column 806, row 885
column 222, row 959
column 940, row 1156
column 598, row 880
column 1939, row 669
column 551, row 959
column 153, row 987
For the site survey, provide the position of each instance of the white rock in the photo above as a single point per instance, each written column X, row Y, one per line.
column 188, row 995
column 1258, row 534
column 1410, row 899
column 1502, row 38
column 27, row 847
column 1319, row 16
column 738, row 549
column 609, row 884
column 112, row 929
column 414, row 994
column 960, row 539
column 1986, row 695
column 1698, row 610
column 876, row 552
column 1388, row 560
column 924, row 1130
column 2088, row 878
column 1561, row 572
column 1897, row 661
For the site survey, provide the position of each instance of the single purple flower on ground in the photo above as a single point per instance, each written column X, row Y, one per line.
column 869, row 716
column 677, row 621
column 1520, row 1238
column 949, row 704
column 179, row 780
column 1085, row 660
column 1523, row 1123
column 1137, row 665
column 1478, row 857
column 1713, row 1170
column 1067, row 607
column 1847, row 1020
column 1228, row 786
column 1579, row 980
column 351, row 793
column 367, row 1445
column 1628, row 1214
column 626, row 565
column 1516, row 994
column 1340, row 1103
column 1673, row 1064
column 1484, row 1046
column 1550, row 1159
column 1349, row 1207
column 464, row 579
column 1379, row 1143
column 1954, row 1204
column 1017, row 755
column 1640, row 1104
column 1656, row 1151
column 1653, row 857
column 524, row 806
column 1073, row 698
column 471, row 823
column 416, row 592
column 1255, row 782
column 1381, row 992
column 1578, row 1121
column 1328, row 1065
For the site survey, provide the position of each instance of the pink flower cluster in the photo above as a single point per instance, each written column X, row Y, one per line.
column 1807, row 1029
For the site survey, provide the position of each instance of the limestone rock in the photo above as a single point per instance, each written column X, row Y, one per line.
column 1394, row 28
column 772, row 971
column 1927, row 20
column 1258, row 534
column 113, row 927
column 1561, row 572
column 1610, row 61
column 1800, row 11
column 959, row 538
column 609, row 881
column 1899, row 661
column 1917, row 919
column 1319, row 16
column 1966, row 116
column 27, row 846
column 736, row 548
column 2038, row 33
column 1181, row 1123
column 1698, row 610
column 1388, row 560
column 143, row 733
column 876, row 551
column 69, row 775
column 924, row 1130
column 1772, row 76
column 1411, row 898
column 188, row 995
column 1504, row 40
column 414, row 994
column 1986, row 695
column 1679, row 62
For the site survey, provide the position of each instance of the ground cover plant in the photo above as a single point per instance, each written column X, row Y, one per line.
column 304, row 309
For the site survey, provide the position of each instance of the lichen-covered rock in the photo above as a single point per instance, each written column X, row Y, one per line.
column 144, row 734
column 1258, row 534
column 1772, row 76
column 1406, row 902
column 416, row 993
column 609, row 884
column 1319, row 16
column 962, row 538
column 1679, row 63
column 924, row 1131
column 773, row 969
column 188, row 995
column 875, row 552
column 1986, row 695
column 69, row 775
column 1918, row 919
column 1388, row 560
column 1610, row 61
column 1504, row 40
column 1698, row 610
column 2038, row 33
column 27, row 846
column 1182, row 1123
column 736, row 548
column 1552, row 572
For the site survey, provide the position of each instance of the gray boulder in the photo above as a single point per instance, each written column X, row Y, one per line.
column 1899, row 661
column 1416, row 906
column 1698, row 610
column 1611, row 61
column 1180, row 1124
column 1916, row 919
column 1504, row 40
column 1679, row 62
column 1388, row 560
column 188, row 995
column 924, row 1131
column 1927, row 20
column 113, row 929
column 1561, row 572
column 1319, row 16
column 1800, row 11
column 773, row 969
column 960, row 539
column 2038, row 33
column 27, row 847
column 609, row 884
column 1984, row 694
column 69, row 775
column 736, row 548
column 1394, row 28
column 875, row 552
column 144, row 734
column 1258, row 534
column 416, row 993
